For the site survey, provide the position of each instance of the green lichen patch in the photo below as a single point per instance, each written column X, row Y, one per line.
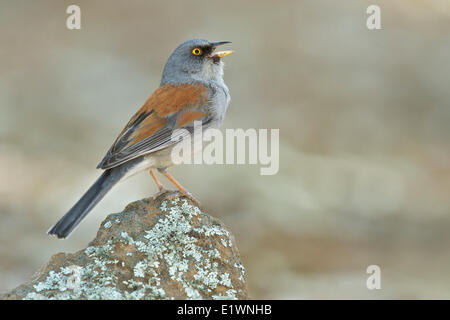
column 165, row 248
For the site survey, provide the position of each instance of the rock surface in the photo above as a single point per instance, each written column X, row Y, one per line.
column 163, row 248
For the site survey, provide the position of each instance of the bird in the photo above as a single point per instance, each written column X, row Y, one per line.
column 192, row 90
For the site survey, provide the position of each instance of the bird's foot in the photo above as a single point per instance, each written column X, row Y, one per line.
column 160, row 192
column 190, row 197
column 174, row 194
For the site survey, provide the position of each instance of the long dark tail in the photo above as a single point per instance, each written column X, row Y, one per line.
column 87, row 202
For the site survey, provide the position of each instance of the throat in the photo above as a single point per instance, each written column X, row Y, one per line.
column 212, row 71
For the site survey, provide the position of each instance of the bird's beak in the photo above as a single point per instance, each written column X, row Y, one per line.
column 221, row 54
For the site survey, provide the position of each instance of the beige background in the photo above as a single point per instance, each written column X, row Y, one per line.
column 363, row 115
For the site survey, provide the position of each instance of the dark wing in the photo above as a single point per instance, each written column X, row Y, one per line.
column 170, row 107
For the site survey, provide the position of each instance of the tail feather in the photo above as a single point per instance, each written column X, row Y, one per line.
column 87, row 202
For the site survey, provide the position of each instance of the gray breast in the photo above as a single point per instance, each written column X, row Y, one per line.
column 219, row 98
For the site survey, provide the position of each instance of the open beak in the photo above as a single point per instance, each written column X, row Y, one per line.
column 220, row 54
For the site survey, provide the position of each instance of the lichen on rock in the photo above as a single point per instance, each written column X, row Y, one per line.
column 163, row 248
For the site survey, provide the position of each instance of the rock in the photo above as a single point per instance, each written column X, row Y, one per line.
column 163, row 248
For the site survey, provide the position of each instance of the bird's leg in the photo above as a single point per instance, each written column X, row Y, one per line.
column 160, row 186
column 182, row 190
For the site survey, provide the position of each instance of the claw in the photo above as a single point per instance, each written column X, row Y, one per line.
column 190, row 197
column 160, row 192
column 182, row 190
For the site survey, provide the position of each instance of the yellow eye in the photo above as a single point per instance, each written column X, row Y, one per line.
column 197, row 51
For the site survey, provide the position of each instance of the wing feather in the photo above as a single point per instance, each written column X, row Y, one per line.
column 170, row 107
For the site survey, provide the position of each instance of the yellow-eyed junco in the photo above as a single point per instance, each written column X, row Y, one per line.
column 191, row 89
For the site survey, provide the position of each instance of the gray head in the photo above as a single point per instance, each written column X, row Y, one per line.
column 195, row 60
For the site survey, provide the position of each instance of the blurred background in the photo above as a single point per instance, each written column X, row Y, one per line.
column 364, row 121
